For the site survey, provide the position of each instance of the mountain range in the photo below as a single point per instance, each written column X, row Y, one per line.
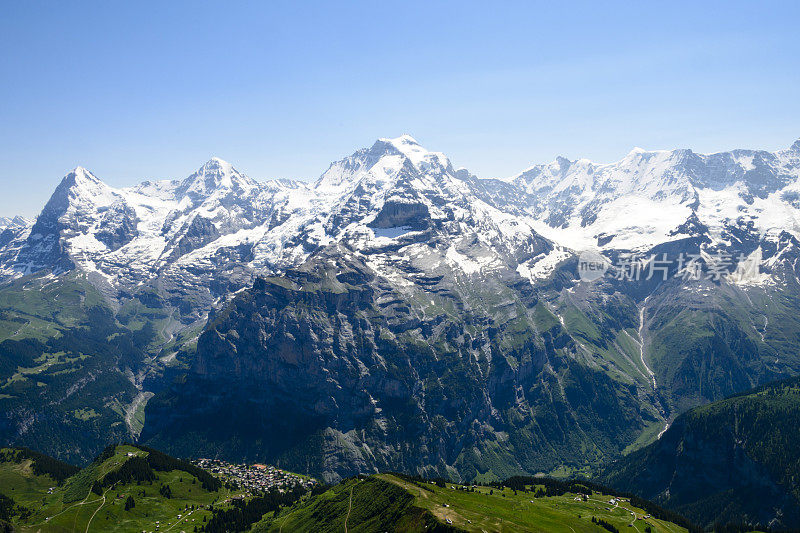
column 218, row 217
column 400, row 313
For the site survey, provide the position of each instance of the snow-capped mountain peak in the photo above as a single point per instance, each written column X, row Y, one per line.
column 81, row 172
column 218, row 162
column 80, row 190
column 81, row 178
column 414, row 152
column 388, row 161
column 215, row 175
column 642, row 199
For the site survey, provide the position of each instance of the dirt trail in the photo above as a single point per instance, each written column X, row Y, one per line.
column 89, row 523
column 349, row 508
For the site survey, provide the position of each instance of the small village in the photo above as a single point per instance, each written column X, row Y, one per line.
column 254, row 477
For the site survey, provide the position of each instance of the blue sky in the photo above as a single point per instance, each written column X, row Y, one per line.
column 152, row 90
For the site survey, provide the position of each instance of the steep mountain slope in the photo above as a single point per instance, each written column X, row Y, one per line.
column 365, row 506
column 735, row 460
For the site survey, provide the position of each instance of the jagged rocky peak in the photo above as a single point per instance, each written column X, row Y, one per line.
column 82, row 180
column 80, row 176
column 644, row 199
column 81, row 191
column 659, row 174
column 638, row 170
column 394, row 183
column 72, row 210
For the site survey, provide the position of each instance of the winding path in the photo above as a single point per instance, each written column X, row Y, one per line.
column 89, row 523
column 349, row 508
column 84, row 502
column 78, row 512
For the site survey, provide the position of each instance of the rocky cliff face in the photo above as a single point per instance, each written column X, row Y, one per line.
column 329, row 369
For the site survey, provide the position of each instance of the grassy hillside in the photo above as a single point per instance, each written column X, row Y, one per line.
column 25, row 476
column 363, row 505
column 388, row 502
column 126, row 488
column 735, row 460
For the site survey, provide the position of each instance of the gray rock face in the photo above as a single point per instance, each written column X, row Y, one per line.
column 198, row 233
column 118, row 226
column 44, row 246
column 395, row 214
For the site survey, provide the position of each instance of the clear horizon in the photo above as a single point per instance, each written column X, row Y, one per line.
column 280, row 90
